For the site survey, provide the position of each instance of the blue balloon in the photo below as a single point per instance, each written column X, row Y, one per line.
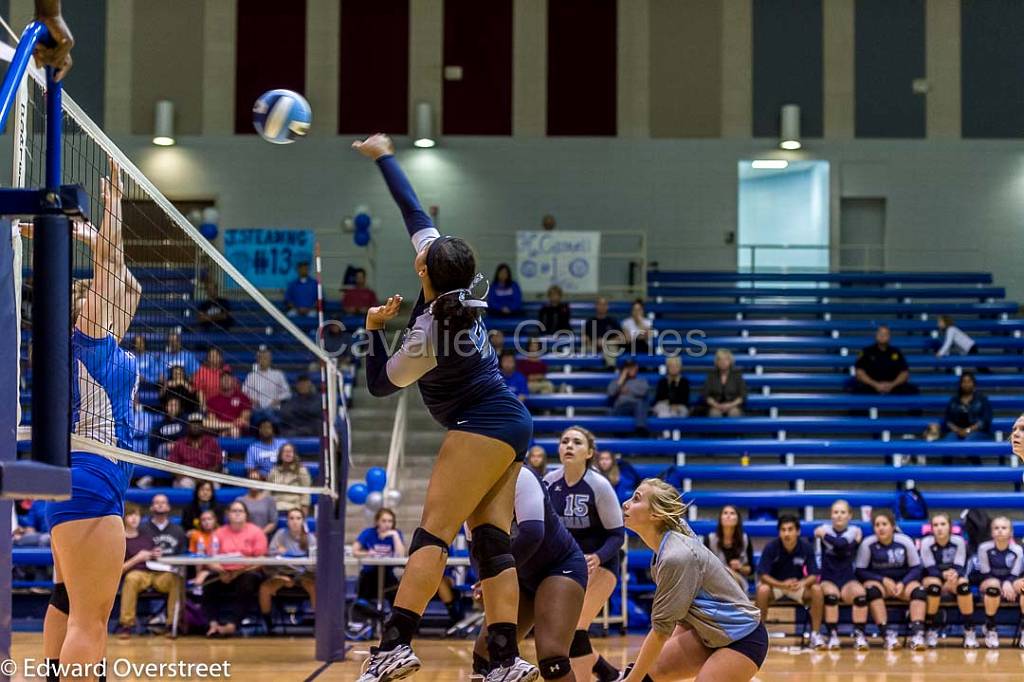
column 361, row 237
column 208, row 230
column 357, row 493
column 362, row 221
column 376, row 479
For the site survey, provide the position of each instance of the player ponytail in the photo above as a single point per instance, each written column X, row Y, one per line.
column 451, row 267
column 667, row 507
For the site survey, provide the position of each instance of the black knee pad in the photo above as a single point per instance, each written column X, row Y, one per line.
column 580, row 645
column 873, row 594
column 491, row 550
column 554, row 667
column 860, row 600
column 422, row 538
column 934, row 590
column 831, row 600
column 963, row 588
column 59, row 598
column 993, row 592
column 918, row 594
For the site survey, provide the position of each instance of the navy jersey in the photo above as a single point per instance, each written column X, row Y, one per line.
column 539, row 540
column 1004, row 564
column 936, row 558
column 897, row 560
column 590, row 511
column 782, row 565
column 838, row 551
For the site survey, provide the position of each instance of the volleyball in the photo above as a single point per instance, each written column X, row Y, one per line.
column 281, row 116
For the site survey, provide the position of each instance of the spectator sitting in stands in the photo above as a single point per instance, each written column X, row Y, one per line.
column 882, row 369
column 968, row 416
column 139, row 549
column 30, row 527
column 638, row 329
column 202, row 539
column 266, row 386
column 599, row 327
column 955, row 340
column 301, row 296
column 204, row 499
column 514, row 379
column 725, row 391
column 215, row 310
column 554, row 315
column 497, row 339
column 230, row 411
column 629, row 395
column 168, row 430
column 198, row 449
column 672, row 395
column 151, row 365
column 261, row 509
column 732, row 546
column 174, row 355
column 207, row 378
column 261, row 455
column 167, row 535
column 302, row 414
column 788, row 569
column 504, row 299
column 178, row 386
column 380, row 540
column 537, row 460
column 359, row 298
column 535, row 369
column 292, row 541
column 608, row 466
column 290, row 471
column 237, row 585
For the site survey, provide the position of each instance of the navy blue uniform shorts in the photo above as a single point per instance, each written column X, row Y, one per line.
column 573, row 566
column 754, row 646
column 501, row 417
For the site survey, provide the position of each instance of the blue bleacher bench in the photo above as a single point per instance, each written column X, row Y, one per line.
column 821, row 401
column 655, row 277
column 786, row 360
column 790, row 380
column 790, row 499
column 848, row 473
column 902, row 293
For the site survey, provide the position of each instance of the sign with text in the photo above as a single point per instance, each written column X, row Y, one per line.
column 267, row 256
column 568, row 259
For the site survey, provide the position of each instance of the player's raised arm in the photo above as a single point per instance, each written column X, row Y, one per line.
column 381, row 149
column 59, row 54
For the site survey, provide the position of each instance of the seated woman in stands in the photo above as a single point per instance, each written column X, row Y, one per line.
column 725, row 391
column 944, row 558
column 889, row 567
column 382, row 539
column 839, row 542
column 504, row 299
column 1001, row 564
column 291, row 541
column 954, row 339
column 968, row 414
column 236, row 585
column 732, row 546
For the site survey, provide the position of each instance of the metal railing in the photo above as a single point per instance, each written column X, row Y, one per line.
column 396, row 451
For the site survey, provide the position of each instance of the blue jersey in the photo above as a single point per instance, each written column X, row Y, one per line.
column 590, row 511
column 837, row 554
column 1004, row 564
column 936, row 558
column 897, row 560
column 539, row 540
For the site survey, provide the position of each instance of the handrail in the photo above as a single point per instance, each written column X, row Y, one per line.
column 32, row 34
column 396, row 451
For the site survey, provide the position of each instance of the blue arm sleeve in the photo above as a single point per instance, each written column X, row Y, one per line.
column 527, row 541
column 416, row 219
column 612, row 544
column 377, row 381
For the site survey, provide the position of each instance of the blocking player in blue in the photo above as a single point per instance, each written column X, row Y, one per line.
column 1001, row 564
column 447, row 354
column 87, row 530
column 944, row 560
column 589, row 509
column 839, row 542
column 552, row 581
column 890, row 568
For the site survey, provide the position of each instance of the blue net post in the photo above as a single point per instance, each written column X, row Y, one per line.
column 330, row 561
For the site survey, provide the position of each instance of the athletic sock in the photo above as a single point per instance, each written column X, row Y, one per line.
column 990, row 622
column 399, row 628
column 968, row 627
column 916, row 626
column 52, row 666
column 502, row 647
column 605, row 671
column 481, row 666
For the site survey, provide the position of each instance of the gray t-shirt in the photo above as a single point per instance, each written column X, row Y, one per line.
column 695, row 588
column 262, row 510
column 284, row 543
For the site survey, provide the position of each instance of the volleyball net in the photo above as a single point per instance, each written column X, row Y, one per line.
column 225, row 386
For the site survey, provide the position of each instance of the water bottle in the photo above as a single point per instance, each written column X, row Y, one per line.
column 201, row 546
column 216, row 545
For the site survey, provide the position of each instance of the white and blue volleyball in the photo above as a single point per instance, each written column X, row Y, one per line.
column 281, row 116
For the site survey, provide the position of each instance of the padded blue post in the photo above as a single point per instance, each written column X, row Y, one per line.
column 330, row 561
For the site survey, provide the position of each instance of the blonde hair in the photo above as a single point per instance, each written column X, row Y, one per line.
column 844, row 503
column 727, row 354
column 667, row 507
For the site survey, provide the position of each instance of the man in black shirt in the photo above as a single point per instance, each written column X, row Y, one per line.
column 167, row 535
column 597, row 329
column 215, row 311
column 302, row 414
column 882, row 369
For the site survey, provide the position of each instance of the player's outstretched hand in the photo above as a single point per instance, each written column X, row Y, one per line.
column 59, row 55
column 375, row 146
column 377, row 317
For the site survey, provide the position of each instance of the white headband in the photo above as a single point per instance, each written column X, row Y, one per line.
column 466, row 297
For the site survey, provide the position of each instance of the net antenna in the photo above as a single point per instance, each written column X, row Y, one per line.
column 50, row 207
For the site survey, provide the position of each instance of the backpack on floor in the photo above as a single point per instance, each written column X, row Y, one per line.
column 912, row 506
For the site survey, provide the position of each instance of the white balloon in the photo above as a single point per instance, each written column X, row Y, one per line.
column 374, row 501
column 393, row 498
column 368, row 514
column 211, row 215
column 195, row 216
